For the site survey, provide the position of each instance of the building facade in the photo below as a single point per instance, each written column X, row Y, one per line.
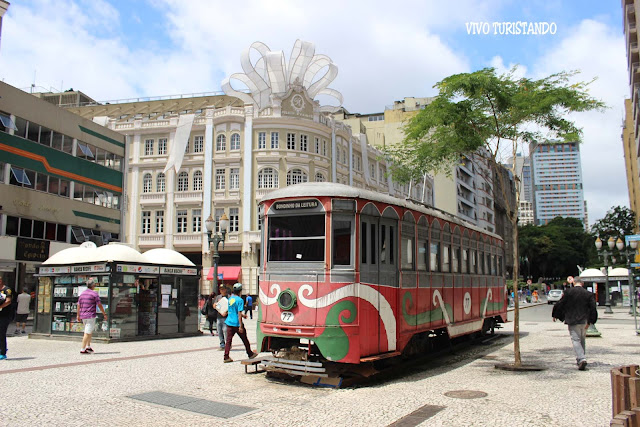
column 557, row 181
column 198, row 156
column 631, row 159
column 630, row 131
column 61, row 183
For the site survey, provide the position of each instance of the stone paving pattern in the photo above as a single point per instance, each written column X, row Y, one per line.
column 96, row 394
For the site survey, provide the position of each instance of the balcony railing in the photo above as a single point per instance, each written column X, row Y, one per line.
column 152, row 198
column 187, row 239
column 151, row 240
column 187, row 196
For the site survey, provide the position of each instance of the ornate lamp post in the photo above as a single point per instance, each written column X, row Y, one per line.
column 216, row 239
column 630, row 252
column 605, row 254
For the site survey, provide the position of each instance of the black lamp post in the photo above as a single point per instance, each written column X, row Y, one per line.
column 216, row 239
column 605, row 254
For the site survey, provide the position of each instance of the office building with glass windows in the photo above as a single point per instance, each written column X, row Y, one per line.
column 557, row 181
column 61, row 183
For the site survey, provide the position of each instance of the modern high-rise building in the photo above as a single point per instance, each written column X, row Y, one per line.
column 631, row 121
column 557, row 181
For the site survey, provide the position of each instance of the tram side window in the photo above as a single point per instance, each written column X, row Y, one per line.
column 407, row 247
column 383, row 244
column 494, row 265
column 372, row 244
column 392, row 239
column 474, row 262
column 423, row 253
column 342, row 226
column 455, row 260
column 363, row 242
column 480, row 262
column 487, row 264
column 446, row 259
column 499, row 265
column 435, row 256
column 296, row 238
column 465, row 261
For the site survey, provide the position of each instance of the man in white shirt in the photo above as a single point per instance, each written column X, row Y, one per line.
column 22, row 312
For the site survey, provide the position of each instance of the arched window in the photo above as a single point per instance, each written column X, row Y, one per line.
column 183, row 181
column 268, row 178
column 160, row 183
column 235, row 141
column 197, row 181
column 147, row 181
column 296, row 176
column 319, row 177
column 221, row 143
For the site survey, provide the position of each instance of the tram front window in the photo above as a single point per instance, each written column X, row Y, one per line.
column 296, row 238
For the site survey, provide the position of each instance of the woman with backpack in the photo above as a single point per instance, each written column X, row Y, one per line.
column 210, row 312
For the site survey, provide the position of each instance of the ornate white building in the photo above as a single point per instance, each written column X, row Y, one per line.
column 192, row 156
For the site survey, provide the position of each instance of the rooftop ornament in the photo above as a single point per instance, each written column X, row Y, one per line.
column 270, row 78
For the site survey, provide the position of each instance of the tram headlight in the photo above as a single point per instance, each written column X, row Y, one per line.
column 287, row 299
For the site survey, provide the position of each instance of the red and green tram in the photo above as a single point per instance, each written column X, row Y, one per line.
column 351, row 276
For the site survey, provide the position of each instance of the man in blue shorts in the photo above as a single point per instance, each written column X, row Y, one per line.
column 234, row 324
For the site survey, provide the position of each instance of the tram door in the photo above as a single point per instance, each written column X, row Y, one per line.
column 369, row 319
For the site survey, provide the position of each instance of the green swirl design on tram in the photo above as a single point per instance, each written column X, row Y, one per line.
column 426, row 316
column 492, row 306
column 334, row 342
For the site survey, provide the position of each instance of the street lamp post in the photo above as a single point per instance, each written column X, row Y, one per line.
column 630, row 253
column 605, row 254
column 216, row 239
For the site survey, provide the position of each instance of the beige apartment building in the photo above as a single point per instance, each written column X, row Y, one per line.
column 190, row 157
column 630, row 141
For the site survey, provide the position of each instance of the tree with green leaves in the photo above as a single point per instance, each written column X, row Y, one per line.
column 619, row 221
column 493, row 116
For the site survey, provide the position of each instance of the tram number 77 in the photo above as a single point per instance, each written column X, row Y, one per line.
column 286, row 316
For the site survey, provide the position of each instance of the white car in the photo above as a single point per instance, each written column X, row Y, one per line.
column 554, row 295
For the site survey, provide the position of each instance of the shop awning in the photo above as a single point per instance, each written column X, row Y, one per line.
column 225, row 273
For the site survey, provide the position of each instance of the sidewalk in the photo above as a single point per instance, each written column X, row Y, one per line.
column 60, row 386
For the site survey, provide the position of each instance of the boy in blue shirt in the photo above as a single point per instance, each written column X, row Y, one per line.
column 234, row 324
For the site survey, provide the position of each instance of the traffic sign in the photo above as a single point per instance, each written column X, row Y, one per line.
column 631, row 238
column 635, row 265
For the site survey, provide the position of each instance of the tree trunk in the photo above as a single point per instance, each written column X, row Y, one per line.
column 516, row 304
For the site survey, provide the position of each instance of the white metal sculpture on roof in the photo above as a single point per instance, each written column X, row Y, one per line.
column 270, row 75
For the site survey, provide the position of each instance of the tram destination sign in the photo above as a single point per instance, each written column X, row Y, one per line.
column 296, row 204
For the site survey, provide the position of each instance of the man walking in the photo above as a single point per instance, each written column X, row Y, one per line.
column 250, row 306
column 22, row 312
column 6, row 316
column 87, row 302
column 221, row 304
column 234, row 324
column 577, row 308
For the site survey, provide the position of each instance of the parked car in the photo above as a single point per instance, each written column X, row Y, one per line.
column 554, row 296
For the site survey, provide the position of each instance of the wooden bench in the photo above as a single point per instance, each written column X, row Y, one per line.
column 254, row 362
column 625, row 396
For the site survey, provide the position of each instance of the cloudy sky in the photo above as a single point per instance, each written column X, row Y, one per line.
column 385, row 51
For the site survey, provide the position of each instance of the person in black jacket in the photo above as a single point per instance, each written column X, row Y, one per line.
column 577, row 308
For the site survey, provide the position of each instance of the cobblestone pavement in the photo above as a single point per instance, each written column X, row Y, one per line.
column 50, row 382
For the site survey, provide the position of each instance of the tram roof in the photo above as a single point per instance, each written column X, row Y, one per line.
column 332, row 189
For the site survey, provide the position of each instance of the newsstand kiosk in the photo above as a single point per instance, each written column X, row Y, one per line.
column 146, row 296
